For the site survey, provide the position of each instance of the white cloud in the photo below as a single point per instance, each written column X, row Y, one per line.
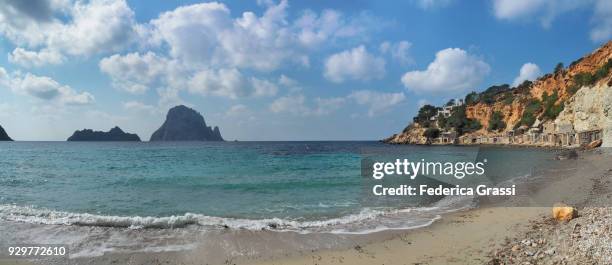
column 46, row 89
column 529, row 71
column 429, row 4
column 191, row 31
column 286, row 81
column 237, row 110
column 422, row 102
column 230, row 83
column 223, row 82
column 134, row 72
column 543, row 10
column 547, row 10
column 354, row 64
column 452, row 71
column 98, row 26
column 398, row 51
column 263, row 87
column 328, row 105
column 209, row 51
column 58, row 28
column 315, row 30
column 138, row 106
column 296, row 104
column 602, row 30
column 169, row 97
column 377, row 102
column 28, row 58
column 205, row 34
column 512, row 9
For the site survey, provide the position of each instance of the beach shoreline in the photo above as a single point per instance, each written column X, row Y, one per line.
column 474, row 236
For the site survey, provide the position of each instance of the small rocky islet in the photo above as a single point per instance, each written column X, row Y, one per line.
column 185, row 124
column 114, row 134
column 4, row 136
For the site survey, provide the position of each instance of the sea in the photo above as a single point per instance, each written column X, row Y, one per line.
column 94, row 196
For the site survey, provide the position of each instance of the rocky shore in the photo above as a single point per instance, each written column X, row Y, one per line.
column 583, row 240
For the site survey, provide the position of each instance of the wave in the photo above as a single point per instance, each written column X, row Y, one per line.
column 51, row 217
column 30, row 214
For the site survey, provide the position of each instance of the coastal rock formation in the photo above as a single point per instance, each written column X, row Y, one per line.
column 413, row 134
column 115, row 134
column 3, row 135
column 560, row 83
column 588, row 109
column 571, row 106
column 185, row 124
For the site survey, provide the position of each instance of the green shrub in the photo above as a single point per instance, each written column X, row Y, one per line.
column 496, row 122
column 425, row 114
column 524, row 88
column 572, row 89
column 488, row 96
column 588, row 79
column 471, row 125
column 529, row 114
column 558, row 68
column 459, row 121
column 603, row 70
column 442, row 122
column 472, row 98
column 508, row 98
column 551, row 110
column 584, row 79
column 431, row 133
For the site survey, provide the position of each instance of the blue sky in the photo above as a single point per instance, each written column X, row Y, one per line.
column 272, row 70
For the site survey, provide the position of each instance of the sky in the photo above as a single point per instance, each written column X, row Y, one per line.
column 272, row 70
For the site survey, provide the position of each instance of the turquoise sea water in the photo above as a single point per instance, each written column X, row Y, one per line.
column 307, row 187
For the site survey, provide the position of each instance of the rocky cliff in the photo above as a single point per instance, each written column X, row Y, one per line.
column 115, row 134
column 590, row 109
column 578, row 95
column 185, row 124
column 564, row 83
column 3, row 135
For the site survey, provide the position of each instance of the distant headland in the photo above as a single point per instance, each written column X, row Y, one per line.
column 4, row 136
column 115, row 134
column 185, row 124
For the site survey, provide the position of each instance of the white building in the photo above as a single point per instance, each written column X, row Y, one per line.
column 446, row 111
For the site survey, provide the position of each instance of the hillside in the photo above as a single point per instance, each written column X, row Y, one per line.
column 535, row 109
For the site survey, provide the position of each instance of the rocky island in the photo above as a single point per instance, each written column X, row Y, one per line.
column 4, row 136
column 185, row 124
column 115, row 134
column 569, row 107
